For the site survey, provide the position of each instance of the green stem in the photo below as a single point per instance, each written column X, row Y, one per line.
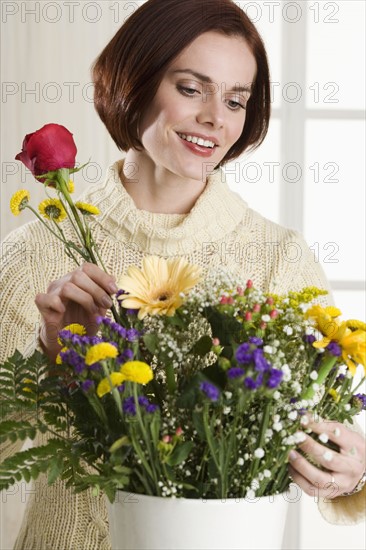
column 262, row 433
column 115, row 393
column 325, row 368
column 170, row 378
column 209, row 437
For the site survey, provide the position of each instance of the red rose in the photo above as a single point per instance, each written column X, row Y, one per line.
column 50, row 148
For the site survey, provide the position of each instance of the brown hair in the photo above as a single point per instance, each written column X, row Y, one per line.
column 129, row 70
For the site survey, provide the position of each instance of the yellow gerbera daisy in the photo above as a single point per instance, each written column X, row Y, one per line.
column 52, row 209
column 104, row 386
column 87, row 209
column 137, row 371
column 156, row 288
column 19, row 201
column 101, row 351
column 75, row 328
column 70, row 186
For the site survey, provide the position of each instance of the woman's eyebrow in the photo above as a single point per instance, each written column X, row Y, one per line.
column 204, row 78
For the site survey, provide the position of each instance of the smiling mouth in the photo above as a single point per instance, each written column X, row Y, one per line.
column 198, row 141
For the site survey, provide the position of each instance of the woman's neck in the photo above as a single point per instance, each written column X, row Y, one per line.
column 155, row 189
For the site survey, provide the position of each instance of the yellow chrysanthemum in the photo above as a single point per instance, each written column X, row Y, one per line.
column 353, row 324
column 352, row 342
column 137, row 371
column 75, row 328
column 99, row 352
column 58, row 358
column 70, row 186
column 19, row 201
column 52, row 209
column 104, row 386
column 87, row 209
column 334, row 394
column 156, row 288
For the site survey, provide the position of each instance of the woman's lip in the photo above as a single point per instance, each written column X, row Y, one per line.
column 197, row 149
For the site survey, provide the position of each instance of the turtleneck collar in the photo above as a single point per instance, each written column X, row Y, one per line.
column 217, row 212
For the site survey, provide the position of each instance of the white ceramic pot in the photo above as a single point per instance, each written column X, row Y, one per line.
column 140, row 522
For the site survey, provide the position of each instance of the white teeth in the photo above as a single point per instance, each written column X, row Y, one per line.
column 199, row 141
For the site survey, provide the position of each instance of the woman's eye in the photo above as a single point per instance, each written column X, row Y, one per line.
column 235, row 106
column 187, row 91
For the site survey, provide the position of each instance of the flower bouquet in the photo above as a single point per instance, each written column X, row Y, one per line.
column 196, row 389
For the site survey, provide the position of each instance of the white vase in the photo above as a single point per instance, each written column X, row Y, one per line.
column 140, row 522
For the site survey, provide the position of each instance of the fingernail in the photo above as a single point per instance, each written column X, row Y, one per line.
column 293, row 455
column 106, row 301
column 113, row 288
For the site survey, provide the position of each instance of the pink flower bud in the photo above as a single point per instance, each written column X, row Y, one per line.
column 223, row 300
column 178, row 431
column 248, row 316
column 273, row 314
column 215, row 342
column 270, row 301
column 167, row 439
column 240, row 291
column 230, row 300
column 249, row 284
column 256, row 308
column 263, row 325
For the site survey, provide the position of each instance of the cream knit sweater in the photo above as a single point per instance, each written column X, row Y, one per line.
column 219, row 230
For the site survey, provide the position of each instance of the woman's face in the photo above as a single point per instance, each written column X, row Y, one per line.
column 203, row 95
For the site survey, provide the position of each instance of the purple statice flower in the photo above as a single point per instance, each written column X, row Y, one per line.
column 132, row 311
column 293, row 400
column 95, row 367
column 235, row 372
column 73, row 359
column 121, row 388
column 340, row 378
column 132, row 334
column 90, row 340
column 244, row 354
column 255, row 340
column 250, row 383
column 126, row 355
column 151, row 408
column 143, row 401
column 118, row 329
column 309, row 338
column 128, row 406
column 261, row 363
column 210, row 390
column 120, row 293
column 334, row 349
column 360, row 399
column 87, row 385
column 275, row 378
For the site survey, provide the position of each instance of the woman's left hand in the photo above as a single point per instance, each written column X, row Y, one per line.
column 344, row 469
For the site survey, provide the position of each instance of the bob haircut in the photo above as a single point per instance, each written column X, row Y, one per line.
column 129, row 70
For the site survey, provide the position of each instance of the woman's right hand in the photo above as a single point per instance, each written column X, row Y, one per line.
column 78, row 297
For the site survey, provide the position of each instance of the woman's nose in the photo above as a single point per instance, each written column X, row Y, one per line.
column 211, row 110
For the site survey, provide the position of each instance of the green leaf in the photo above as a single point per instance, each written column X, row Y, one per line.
column 151, row 341
column 55, row 469
column 202, row 346
column 180, row 453
column 121, row 442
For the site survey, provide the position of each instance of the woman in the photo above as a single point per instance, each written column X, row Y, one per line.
column 183, row 87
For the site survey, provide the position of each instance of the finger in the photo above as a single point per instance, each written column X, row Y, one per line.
column 323, row 455
column 69, row 291
column 100, row 277
column 312, row 476
column 84, row 282
column 330, row 489
column 351, row 443
column 49, row 303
